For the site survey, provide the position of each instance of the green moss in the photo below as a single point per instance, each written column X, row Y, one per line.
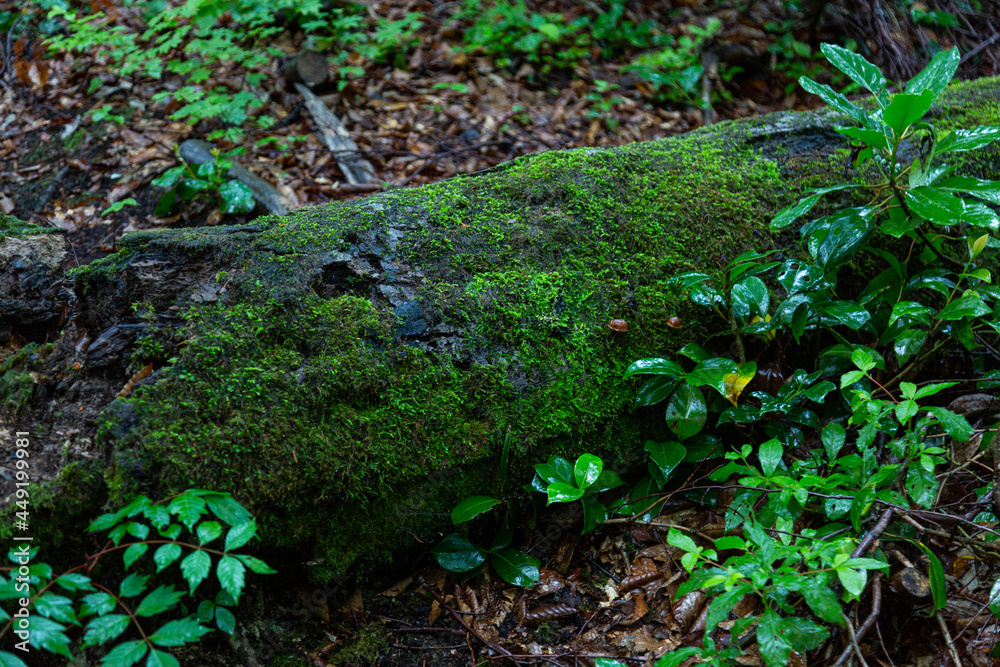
column 365, row 647
column 305, row 392
column 16, row 383
column 11, row 226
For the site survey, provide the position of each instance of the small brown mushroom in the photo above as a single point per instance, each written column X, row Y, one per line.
column 674, row 322
column 618, row 325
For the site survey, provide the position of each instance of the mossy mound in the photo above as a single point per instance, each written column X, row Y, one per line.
column 350, row 371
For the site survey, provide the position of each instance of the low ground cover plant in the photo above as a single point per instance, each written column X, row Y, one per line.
column 827, row 459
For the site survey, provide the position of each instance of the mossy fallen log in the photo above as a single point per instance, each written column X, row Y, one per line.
column 350, row 371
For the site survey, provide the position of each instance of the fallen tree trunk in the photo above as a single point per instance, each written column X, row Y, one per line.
column 350, row 371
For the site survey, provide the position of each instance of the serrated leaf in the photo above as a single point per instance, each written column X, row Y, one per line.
column 132, row 585
column 208, row 531
column 778, row 636
column 516, row 567
column 47, row 634
column 225, row 620
column 97, row 603
column 822, row 600
column 195, row 567
column 178, row 633
column 833, row 436
column 188, row 508
column 159, row 600
column 75, row 581
column 255, row 564
column 57, row 607
column 133, row 553
column 231, row 573
column 165, row 555
column 103, row 629
column 227, row 509
column 240, row 535
column 236, row 198
column 161, row 659
column 125, row 654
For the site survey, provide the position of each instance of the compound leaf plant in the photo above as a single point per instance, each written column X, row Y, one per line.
column 192, row 534
column 795, row 523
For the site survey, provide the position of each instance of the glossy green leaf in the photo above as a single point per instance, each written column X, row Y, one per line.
column 921, row 485
column 869, row 137
column 750, row 297
column 955, row 425
column 981, row 188
column 516, row 567
column 240, row 535
column 678, row 656
column 255, row 564
column 722, row 604
column 44, row 633
column 935, row 204
column 676, row 538
column 125, row 654
column 939, row 585
column 848, row 313
column 834, row 239
column 686, row 411
column 978, row 214
column 858, row 69
column 97, row 603
column 833, row 436
column 195, row 567
column 654, row 390
column 911, row 310
column 713, row 372
column 587, row 469
column 456, row 553
column 178, row 633
column 559, row 492
column 966, row 306
column 778, row 636
column 907, row 344
column 968, row 140
column 227, row 509
column 822, row 600
column 594, row 513
column 231, row 573
column 654, row 366
column 994, row 600
column 696, row 353
column 159, row 600
column 165, row 555
column 57, row 607
column 789, row 215
column 236, row 198
column 132, row 585
column 770, row 453
column 208, row 531
column 472, row 507
column 936, row 74
column 853, row 580
column 188, row 508
column 225, row 620
column 906, row 109
column 10, row 660
column 664, row 457
column 161, row 659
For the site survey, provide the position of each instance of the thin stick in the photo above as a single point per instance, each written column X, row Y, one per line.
column 854, row 640
column 869, row 622
column 947, row 638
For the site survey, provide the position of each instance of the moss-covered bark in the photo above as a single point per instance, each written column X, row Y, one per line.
column 350, row 371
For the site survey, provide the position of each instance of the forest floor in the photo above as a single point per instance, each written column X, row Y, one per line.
column 441, row 109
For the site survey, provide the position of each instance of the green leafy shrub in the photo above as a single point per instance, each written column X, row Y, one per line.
column 206, row 180
column 189, row 530
column 802, row 507
column 513, row 35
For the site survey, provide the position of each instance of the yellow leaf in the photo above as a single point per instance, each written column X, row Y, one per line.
column 736, row 382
